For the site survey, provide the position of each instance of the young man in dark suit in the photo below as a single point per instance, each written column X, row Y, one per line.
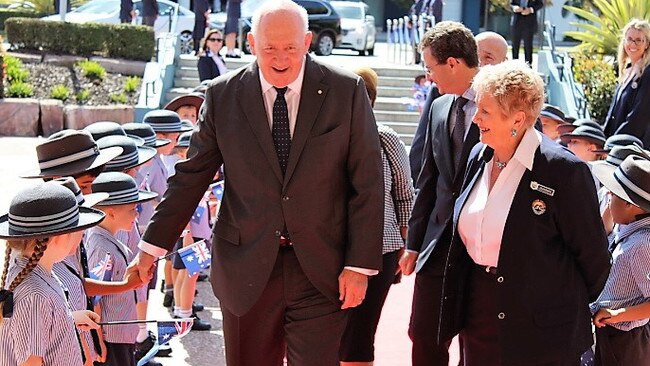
column 451, row 61
column 300, row 225
column 524, row 26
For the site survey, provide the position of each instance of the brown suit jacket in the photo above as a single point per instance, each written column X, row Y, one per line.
column 331, row 198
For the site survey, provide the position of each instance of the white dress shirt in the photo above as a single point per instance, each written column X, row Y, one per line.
column 484, row 215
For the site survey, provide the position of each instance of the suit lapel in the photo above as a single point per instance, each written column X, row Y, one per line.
column 470, row 140
column 312, row 96
column 462, row 198
column 442, row 142
column 249, row 96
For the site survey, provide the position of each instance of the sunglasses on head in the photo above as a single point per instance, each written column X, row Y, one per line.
column 215, row 39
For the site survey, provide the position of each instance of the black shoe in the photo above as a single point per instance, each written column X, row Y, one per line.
column 198, row 323
column 168, row 301
column 141, row 348
column 234, row 55
column 153, row 363
column 197, row 306
column 162, row 286
column 164, row 350
column 202, row 277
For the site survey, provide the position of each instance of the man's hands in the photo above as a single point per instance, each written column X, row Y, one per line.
column 144, row 265
column 85, row 320
column 407, row 262
column 352, row 288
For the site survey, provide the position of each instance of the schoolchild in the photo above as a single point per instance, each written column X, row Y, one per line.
column 37, row 325
column 120, row 210
column 622, row 310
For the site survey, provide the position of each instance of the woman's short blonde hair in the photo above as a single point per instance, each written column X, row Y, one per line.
column 371, row 80
column 515, row 86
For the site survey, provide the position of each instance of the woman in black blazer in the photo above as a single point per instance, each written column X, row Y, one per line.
column 210, row 63
column 630, row 107
column 529, row 251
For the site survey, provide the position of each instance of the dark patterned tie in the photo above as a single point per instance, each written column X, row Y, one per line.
column 458, row 131
column 280, row 130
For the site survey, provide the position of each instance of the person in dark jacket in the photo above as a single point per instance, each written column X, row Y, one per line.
column 126, row 11
column 210, row 63
column 630, row 106
column 201, row 11
column 149, row 12
column 524, row 26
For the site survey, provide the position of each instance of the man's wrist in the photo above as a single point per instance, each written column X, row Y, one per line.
column 151, row 249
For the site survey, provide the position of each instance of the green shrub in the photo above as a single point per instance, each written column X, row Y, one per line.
column 15, row 69
column 134, row 42
column 92, row 69
column 598, row 80
column 118, row 98
column 82, row 96
column 11, row 13
column 20, row 89
column 60, row 92
column 602, row 32
column 131, row 84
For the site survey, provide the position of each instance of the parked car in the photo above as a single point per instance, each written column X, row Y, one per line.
column 324, row 23
column 357, row 26
column 108, row 11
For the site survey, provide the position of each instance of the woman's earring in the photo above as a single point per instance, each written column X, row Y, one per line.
column 513, row 132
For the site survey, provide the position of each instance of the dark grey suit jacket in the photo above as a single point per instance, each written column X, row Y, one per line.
column 438, row 185
column 330, row 199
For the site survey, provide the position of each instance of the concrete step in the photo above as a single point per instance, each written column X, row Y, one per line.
column 403, row 104
column 190, row 61
column 393, row 81
column 408, row 128
column 187, row 72
column 394, row 92
column 407, row 139
column 382, row 115
column 176, row 92
column 186, row 82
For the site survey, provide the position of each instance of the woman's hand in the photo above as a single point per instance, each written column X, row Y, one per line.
column 85, row 320
column 607, row 317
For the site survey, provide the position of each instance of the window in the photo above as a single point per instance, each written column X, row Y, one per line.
column 314, row 7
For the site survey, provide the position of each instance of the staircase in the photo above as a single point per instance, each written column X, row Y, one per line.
column 392, row 106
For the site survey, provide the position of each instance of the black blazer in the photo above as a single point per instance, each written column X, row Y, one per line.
column 550, row 265
column 630, row 114
column 526, row 21
column 207, row 68
column 438, row 185
column 331, row 198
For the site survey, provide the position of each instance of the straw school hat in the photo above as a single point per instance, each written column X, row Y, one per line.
column 195, row 99
column 84, row 200
column 121, row 188
column 107, row 128
column 630, row 181
column 165, row 121
column 46, row 210
column 69, row 152
column 145, row 132
column 589, row 133
column 620, row 140
column 131, row 156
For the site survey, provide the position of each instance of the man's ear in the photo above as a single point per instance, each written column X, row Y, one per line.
column 308, row 37
column 251, row 42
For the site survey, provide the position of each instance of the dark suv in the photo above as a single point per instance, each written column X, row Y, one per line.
column 324, row 23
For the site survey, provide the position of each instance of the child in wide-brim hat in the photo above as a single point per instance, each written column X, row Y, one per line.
column 622, row 310
column 120, row 210
column 43, row 226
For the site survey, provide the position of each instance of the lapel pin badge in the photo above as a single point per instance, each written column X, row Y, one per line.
column 539, row 207
column 320, row 91
column 542, row 188
column 634, row 85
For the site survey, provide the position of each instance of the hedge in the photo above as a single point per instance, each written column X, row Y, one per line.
column 8, row 13
column 133, row 42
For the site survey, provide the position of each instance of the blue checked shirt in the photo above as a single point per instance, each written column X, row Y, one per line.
column 628, row 283
column 116, row 307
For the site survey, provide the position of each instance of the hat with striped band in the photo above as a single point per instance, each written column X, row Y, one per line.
column 131, row 156
column 84, row 200
column 106, row 128
column 622, row 139
column 165, row 121
column 553, row 112
column 630, row 181
column 570, row 127
column 145, row 132
column 121, row 188
column 585, row 132
column 44, row 210
column 69, row 152
column 184, row 139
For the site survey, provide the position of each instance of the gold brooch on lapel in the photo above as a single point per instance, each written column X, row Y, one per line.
column 539, row 207
column 542, row 188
